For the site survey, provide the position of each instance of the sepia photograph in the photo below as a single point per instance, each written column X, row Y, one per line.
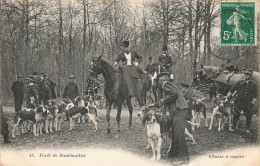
column 129, row 82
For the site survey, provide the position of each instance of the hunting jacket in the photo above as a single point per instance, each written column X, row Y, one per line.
column 31, row 90
column 70, row 91
column 18, row 89
column 172, row 98
column 134, row 57
column 166, row 62
column 46, row 90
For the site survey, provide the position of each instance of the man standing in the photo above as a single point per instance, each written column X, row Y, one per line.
column 150, row 68
column 31, row 93
column 45, row 90
column 166, row 62
column 51, row 84
column 18, row 90
column 246, row 91
column 174, row 101
column 71, row 89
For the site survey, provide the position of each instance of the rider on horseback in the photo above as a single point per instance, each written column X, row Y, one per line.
column 150, row 69
column 130, row 70
column 166, row 62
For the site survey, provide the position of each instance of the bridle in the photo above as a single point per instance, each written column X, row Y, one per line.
column 105, row 82
column 102, row 68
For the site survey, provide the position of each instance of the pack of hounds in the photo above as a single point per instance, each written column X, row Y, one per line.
column 49, row 117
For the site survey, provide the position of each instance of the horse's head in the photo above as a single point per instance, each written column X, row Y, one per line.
column 95, row 66
column 207, row 74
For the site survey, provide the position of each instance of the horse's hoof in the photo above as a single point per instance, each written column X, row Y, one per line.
column 108, row 131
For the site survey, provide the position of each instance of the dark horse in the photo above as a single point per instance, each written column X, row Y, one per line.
column 114, row 90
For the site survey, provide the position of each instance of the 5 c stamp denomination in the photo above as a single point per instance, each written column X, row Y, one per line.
column 238, row 23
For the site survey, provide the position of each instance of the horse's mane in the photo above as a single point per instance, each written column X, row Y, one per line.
column 108, row 63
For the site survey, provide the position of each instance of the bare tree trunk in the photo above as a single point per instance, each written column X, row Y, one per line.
column 59, row 55
column 84, row 45
column 190, row 32
column 196, row 39
column 205, row 34
column 208, row 33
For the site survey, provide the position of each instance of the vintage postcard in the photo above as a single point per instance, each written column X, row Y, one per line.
column 129, row 82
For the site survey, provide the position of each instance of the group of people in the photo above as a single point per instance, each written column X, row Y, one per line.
column 38, row 90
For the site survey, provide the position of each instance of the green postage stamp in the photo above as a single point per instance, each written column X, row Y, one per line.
column 238, row 23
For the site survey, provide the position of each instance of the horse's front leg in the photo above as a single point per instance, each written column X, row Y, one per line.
column 130, row 108
column 144, row 98
column 118, row 116
column 108, row 106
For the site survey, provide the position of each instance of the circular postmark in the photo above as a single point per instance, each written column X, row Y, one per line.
column 237, row 31
column 237, row 28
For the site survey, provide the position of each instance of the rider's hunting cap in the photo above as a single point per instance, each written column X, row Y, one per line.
column 125, row 43
column 165, row 48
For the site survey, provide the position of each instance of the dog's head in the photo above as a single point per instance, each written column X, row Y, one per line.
column 219, row 100
column 143, row 111
column 150, row 117
column 52, row 109
column 69, row 106
column 78, row 101
column 50, row 103
column 62, row 107
column 40, row 109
